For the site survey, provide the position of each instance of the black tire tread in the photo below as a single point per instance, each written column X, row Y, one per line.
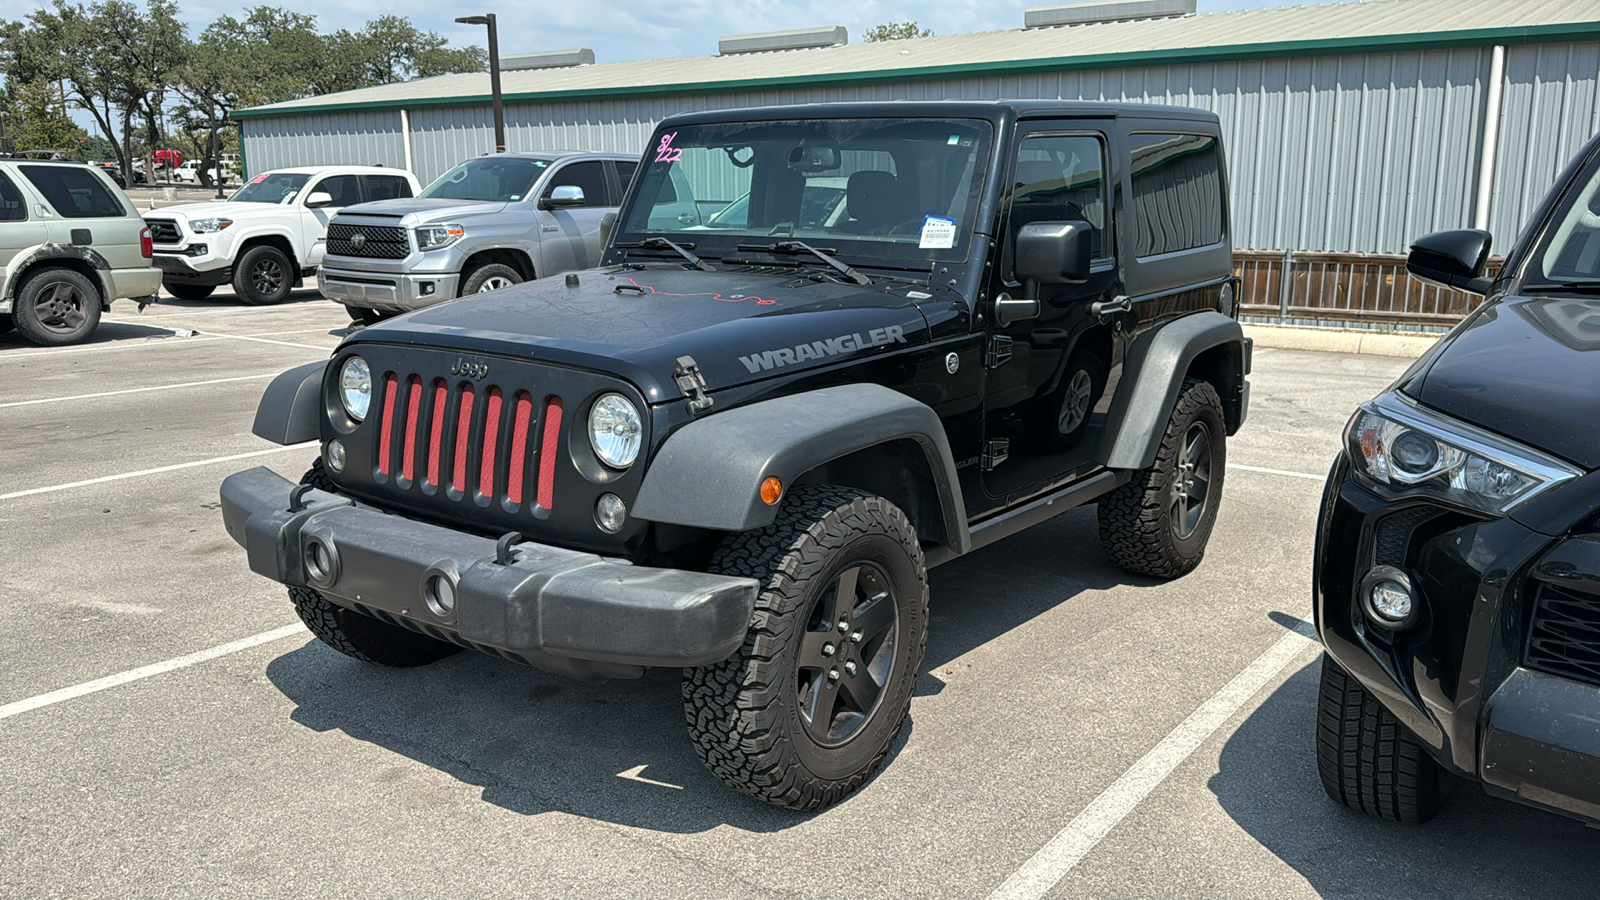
column 188, row 291
column 474, row 277
column 1367, row 759
column 241, row 276
column 22, row 315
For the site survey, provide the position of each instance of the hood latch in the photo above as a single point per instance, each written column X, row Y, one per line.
column 693, row 384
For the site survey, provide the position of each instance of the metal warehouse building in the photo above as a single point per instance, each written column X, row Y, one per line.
column 1352, row 127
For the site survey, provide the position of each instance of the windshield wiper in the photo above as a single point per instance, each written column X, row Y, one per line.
column 1576, row 287
column 661, row 243
column 826, row 254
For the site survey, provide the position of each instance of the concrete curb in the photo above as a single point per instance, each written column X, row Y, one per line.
column 1331, row 341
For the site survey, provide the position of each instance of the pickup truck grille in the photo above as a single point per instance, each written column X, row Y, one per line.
column 163, row 231
column 1564, row 636
column 368, row 241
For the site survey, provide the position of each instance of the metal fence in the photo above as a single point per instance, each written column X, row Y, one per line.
column 1345, row 289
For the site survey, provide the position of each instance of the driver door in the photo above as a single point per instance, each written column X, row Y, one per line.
column 345, row 191
column 569, row 236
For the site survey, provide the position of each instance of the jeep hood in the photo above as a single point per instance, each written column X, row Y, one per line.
column 1526, row 368
column 740, row 326
column 422, row 210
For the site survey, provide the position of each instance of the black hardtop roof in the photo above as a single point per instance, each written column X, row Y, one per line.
column 993, row 110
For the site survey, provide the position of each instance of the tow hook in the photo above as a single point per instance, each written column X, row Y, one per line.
column 693, row 384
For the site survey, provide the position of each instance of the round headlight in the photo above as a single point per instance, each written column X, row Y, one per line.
column 355, row 387
column 615, row 431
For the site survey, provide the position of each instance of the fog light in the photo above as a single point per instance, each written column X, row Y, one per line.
column 322, row 564
column 610, row 512
column 336, row 455
column 439, row 592
column 1388, row 599
column 427, row 288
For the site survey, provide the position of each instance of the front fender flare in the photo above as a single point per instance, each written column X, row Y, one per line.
column 290, row 412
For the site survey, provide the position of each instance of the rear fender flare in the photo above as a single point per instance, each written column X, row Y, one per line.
column 290, row 412
column 45, row 253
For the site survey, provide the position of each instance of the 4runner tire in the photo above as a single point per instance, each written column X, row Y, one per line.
column 1367, row 759
column 1159, row 522
column 353, row 634
column 491, row 277
column 188, row 291
column 263, row 276
column 56, row 307
column 805, row 710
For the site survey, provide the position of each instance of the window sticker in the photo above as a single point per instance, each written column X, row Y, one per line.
column 667, row 153
column 258, row 179
column 938, row 233
column 955, row 140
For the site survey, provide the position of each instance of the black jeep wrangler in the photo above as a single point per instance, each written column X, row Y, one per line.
column 828, row 348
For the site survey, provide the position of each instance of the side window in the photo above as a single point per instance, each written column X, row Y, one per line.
column 13, row 208
column 589, row 176
column 344, row 189
column 1060, row 177
column 386, row 187
column 74, row 191
column 625, row 171
column 1177, row 193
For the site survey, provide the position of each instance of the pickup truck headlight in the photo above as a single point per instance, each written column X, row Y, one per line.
column 355, row 387
column 615, row 430
column 208, row 226
column 432, row 237
column 1407, row 449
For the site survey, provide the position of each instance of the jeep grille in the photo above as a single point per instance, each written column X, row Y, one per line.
column 163, row 231
column 374, row 241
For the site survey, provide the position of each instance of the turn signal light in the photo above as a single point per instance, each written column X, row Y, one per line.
column 771, row 490
column 147, row 248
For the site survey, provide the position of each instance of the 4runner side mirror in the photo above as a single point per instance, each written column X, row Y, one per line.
column 1052, row 253
column 319, row 199
column 1453, row 259
column 563, row 195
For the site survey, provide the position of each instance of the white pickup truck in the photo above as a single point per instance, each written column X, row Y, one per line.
column 269, row 235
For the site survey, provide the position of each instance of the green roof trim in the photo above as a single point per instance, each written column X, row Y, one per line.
column 1432, row 40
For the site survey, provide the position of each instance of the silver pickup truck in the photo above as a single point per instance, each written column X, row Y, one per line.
column 486, row 224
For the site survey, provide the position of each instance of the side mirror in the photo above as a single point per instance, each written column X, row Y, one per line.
column 1453, row 259
column 318, row 199
column 608, row 224
column 1053, row 253
column 563, row 195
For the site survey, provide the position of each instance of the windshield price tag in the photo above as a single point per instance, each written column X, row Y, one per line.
column 258, row 179
column 938, row 233
column 667, row 153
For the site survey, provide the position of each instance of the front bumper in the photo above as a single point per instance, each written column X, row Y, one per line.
column 386, row 291
column 176, row 267
column 572, row 612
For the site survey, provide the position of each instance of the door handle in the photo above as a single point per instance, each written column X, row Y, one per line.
column 1105, row 309
column 686, row 219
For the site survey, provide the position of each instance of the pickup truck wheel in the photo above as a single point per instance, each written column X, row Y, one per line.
column 56, row 307
column 188, row 291
column 1367, row 759
column 491, row 277
column 805, row 710
column 1159, row 522
column 363, row 316
column 263, row 276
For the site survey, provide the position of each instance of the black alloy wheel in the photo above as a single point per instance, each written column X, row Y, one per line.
column 846, row 654
column 1191, row 485
column 263, row 276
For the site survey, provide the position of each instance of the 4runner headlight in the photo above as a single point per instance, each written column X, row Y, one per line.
column 615, row 431
column 432, row 237
column 208, row 226
column 355, row 387
column 1407, row 449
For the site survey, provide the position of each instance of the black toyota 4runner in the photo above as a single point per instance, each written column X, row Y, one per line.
column 738, row 445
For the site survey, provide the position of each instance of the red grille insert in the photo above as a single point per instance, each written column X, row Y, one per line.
column 547, row 453
column 463, row 432
column 491, row 442
column 386, row 432
column 517, row 473
column 408, row 453
column 436, row 431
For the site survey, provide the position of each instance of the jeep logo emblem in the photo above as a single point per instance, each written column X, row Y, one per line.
column 476, row 371
column 357, row 241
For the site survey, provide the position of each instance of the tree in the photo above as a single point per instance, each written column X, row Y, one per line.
column 896, row 31
column 36, row 119
column 390, row 49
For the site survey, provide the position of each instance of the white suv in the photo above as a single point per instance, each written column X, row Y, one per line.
column 268, row 235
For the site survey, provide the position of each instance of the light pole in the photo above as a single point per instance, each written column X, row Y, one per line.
column 494, row 77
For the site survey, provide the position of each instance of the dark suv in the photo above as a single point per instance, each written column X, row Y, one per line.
column 738, row 445
column 1458, row 550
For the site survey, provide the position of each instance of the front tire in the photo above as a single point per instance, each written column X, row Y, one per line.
column 188, row 291
column 57, row 307
column 1368, row 760
column 491, row 277
column 263, row 276
column 805, row 711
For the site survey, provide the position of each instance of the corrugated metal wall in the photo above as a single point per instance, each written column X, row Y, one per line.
column 1347, row 153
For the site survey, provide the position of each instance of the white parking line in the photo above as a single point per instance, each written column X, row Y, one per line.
column 159, row 387
column 1071, row 844
column 156, row 471
column 121, row 678
column 111, row 345
column 1284, row 472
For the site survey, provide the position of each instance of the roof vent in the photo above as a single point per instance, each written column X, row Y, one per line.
column 799, row 39
column 1084, row 12
column 547, row 59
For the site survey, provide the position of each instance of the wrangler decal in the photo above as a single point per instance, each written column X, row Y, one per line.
column 844, row 343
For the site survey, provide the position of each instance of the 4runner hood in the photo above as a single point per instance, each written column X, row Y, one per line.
column 418, row 210
column 1527, row 368
column 740, row 326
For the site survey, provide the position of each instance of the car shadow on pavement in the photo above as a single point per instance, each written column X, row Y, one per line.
column 227, row 298
column 1479, row 846
column 105, row 333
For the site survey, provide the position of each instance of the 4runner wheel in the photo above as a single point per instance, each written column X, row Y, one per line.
column 1367, row 759
column 354, row 634
column 263, row 276
column 1159, row 522
column 188, row 291
column 806, row 709
column 57, row 306
column 491, row 277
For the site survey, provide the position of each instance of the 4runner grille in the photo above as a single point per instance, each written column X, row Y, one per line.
column 163, row 231
column 369, row 241
column 1564, row 637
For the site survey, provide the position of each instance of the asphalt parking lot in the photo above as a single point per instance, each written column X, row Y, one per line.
column 1078, row 732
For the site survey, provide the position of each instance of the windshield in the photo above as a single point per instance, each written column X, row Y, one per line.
column 1572, row 252
column 894, row 189
column 489, row 178
column 277, row 187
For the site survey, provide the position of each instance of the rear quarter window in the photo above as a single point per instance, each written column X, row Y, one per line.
column 1177, row 193
column 13, row 208
column 75, row 192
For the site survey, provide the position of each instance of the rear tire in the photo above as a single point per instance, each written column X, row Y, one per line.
column 263, row 276
column 491, row 277
column 188, row 291
column 1368, row 760
column 56, row 307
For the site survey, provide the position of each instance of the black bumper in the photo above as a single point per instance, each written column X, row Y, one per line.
column 1466, row 678
column 559, row 609
column 176, row 268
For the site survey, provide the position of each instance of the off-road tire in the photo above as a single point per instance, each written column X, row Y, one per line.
column 188, row 291
column 56, row 306
column 356, row 635
column 360, row 315
column 744, row 713
column 475, row 280
column 1138, row 530
column 271, row 284
column 1367, row 759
